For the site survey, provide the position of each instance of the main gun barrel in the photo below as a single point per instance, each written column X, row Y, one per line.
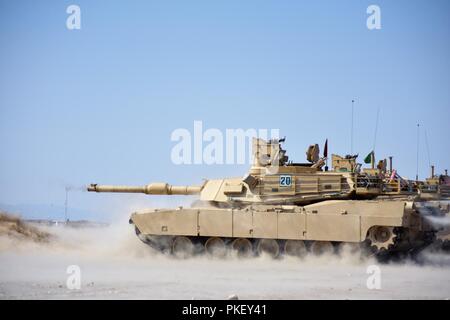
column 152, row 188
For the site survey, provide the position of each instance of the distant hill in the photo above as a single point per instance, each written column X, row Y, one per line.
column 13, row 227
column 47, row 211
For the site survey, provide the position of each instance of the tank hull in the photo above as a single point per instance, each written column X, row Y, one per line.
column 397, row 224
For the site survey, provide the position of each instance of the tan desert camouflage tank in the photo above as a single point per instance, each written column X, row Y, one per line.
column 282, row 207
column 437, row 189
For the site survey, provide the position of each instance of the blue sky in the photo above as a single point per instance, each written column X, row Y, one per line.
column 99, row 104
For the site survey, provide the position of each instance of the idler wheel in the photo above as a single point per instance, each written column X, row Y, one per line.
column 215, row 247
column 322, row 247
column 141, row 236
column 295, row 248
column 269, row 247
column 182, row 247
column 243, row 247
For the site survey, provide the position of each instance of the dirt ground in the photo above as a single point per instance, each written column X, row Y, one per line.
column 114, row 264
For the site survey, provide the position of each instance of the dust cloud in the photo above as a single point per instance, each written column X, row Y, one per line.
column 443, row 221
column 115, row 264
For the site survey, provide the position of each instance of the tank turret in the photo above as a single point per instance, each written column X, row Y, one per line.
column 272, row 179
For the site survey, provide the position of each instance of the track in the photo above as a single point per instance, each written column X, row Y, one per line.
column 383, row 243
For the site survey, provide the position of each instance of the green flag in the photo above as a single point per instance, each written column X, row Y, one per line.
column 368, row 158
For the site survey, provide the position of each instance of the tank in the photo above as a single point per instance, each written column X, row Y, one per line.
column 438, row 187
column 283, row 207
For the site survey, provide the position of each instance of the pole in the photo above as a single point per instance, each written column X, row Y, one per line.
column 351, row 133
column 390, row 164
column 65, row 205
column 372, row 158
column 417, row 153
column 428, row 148
column 376, row 130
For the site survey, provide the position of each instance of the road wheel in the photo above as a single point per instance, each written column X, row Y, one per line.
column 352, row 248
column 269, row 247
column 243, row 247
column 295, row 248
column 182, row 247
column 322, row 247
column 215, row 247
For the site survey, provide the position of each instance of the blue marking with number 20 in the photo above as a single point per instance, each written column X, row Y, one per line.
column 285, row 181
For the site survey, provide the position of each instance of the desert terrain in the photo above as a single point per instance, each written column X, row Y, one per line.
column 115, row 264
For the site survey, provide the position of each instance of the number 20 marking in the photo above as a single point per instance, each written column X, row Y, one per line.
column 285, row 181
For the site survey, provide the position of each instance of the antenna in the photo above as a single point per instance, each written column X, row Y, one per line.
column 417, row 154
column 428, row 148
column 376, row 130
column 351, row 132
column 65, row 205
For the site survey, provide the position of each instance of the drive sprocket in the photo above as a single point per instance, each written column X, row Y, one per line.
column 382, row 238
